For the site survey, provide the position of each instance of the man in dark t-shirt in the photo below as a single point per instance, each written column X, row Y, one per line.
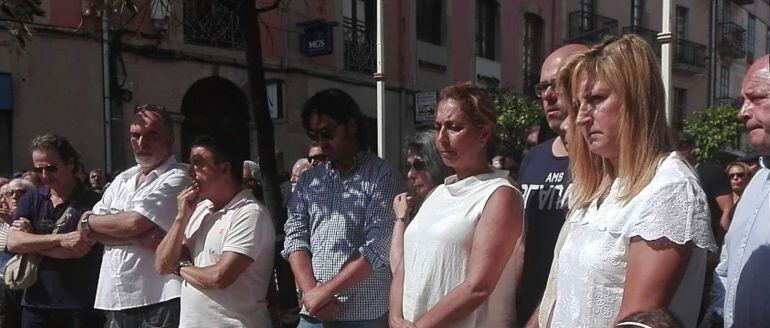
column 544, row 178
column 63, row 295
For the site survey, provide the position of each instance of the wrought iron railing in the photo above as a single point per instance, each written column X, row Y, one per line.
column 651, row 36
column 210, row 23
column 359, row 46
column 732, row 39
column 690, row 53
column 587, row 27
column 728, row 101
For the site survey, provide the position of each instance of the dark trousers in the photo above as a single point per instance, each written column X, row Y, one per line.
column 158, row 315
column 45, row 318
column 10, row 306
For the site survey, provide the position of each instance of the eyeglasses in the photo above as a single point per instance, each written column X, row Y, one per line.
column 16, row 192
column 47, row 169
column 149, row 108
column 316, row 158
column 416, row 165
column 738, row 175
column 325, row 133
column 541, row 87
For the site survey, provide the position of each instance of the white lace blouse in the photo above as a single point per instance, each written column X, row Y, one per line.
column 594, row 258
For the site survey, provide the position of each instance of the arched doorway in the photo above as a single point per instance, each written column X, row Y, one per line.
column 216, row 107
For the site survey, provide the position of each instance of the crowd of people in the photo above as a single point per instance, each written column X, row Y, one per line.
column 608, row 224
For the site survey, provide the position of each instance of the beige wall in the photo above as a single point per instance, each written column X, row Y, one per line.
column 56, row 88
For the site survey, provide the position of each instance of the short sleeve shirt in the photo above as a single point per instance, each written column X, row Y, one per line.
column 62, row 283
column 243, row 226
column 128, row 278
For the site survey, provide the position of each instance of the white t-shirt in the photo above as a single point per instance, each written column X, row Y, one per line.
column 128, row 278
column 243, row 226
column 593, row 261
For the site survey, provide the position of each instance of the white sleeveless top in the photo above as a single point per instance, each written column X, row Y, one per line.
column 592, row 265
column 437, row 247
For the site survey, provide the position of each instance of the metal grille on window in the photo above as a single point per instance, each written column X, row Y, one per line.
column 213, row 24
column 359, row 35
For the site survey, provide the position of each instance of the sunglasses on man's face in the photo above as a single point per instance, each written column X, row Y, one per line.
column 316, row 158
column 47, row 169
column 738, row 175
column 416, row 165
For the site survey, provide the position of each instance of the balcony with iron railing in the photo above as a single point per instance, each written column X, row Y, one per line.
column 689, row 57
column 651, row 36
column 359, row 45
column 732, row 40
column 586, row 27
column 728, row 101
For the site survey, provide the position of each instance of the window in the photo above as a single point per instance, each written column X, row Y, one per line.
column 750, row 38
column 430, row 21
column 359, row 35
column 531, row 57
column 724, row 82
column 487, row 25
column 767, row 41
column 680, row 107
column 587, row 6
column 681, row 22
column 637, row 12
column 213, row 24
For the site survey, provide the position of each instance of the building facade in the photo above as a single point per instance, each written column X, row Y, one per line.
column 187, row 56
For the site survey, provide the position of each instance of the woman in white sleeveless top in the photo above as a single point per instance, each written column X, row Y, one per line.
column 638, row 229
column 457, row 267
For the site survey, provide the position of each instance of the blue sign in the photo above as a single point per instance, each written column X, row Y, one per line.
column 6, row 92
column 317, row 39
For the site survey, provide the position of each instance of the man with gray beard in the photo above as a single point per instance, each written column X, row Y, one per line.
column 131, row 219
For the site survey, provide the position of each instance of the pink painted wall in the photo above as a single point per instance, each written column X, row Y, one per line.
column 461, row 40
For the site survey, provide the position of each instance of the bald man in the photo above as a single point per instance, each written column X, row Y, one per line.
column 131, row 219
column 740, row 294
column 544, row 177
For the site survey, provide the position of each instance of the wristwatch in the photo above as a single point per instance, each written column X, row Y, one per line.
column 84, row 225
column 181, row 264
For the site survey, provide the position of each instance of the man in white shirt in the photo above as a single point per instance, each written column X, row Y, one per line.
column 228, row 236
column 131, row 219
column 739, row 294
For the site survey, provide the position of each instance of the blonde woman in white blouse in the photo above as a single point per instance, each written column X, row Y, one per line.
column 638, row 231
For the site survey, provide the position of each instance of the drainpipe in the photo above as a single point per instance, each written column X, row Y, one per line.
column 379, row 76
column 106, row 87
column 665, row 37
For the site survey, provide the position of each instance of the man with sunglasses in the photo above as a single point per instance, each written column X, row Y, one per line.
column 134, row 213
column 340, row 220
column 45, row 222
column 544, row 178
column 315, row 155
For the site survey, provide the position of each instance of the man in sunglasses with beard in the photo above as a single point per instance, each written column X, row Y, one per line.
column 131, row 219
column 340, row 220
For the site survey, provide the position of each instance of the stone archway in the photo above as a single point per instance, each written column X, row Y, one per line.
column 216, row 107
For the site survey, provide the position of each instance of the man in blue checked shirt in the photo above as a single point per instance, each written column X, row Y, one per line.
column 340, row 221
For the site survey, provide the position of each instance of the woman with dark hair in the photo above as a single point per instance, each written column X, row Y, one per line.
column 425, row 171
column 458, row 263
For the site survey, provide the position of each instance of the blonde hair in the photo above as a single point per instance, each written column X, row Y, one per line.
column 627, row 65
